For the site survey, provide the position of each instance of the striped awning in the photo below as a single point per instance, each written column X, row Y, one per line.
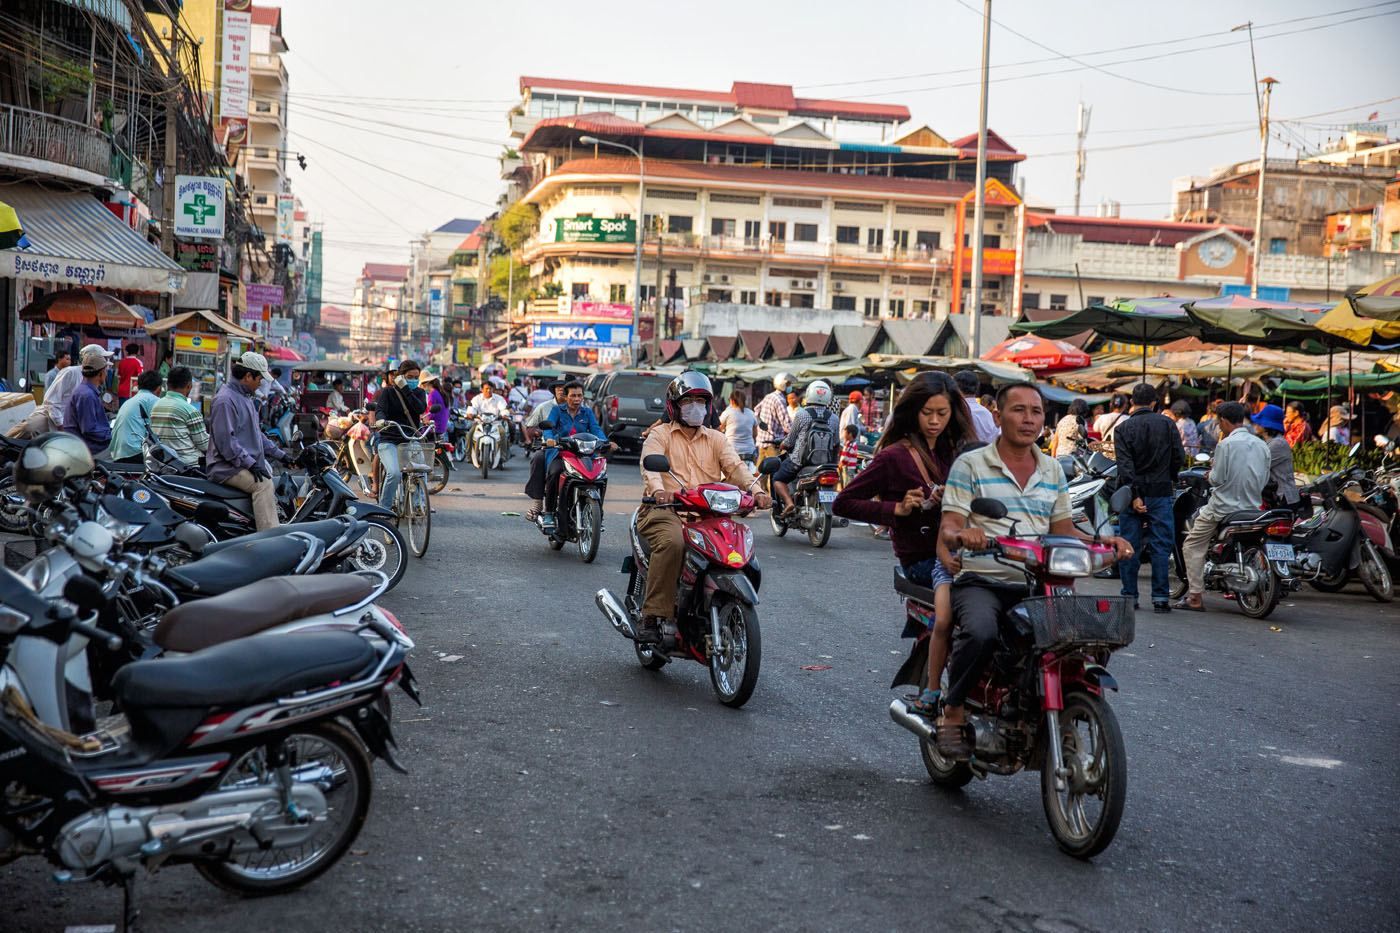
column 75, row 240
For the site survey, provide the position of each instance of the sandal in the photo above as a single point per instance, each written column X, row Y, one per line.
column 926, row 703
column 1185, row 603
column 952, row 740
column 532, row 515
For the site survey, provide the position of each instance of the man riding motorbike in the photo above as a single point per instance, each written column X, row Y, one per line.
column 487, row 402
column 568, row 418
column 1033, row 488
column 698, row 455
column 811, row 441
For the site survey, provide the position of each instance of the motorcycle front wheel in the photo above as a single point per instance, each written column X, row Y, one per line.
column 381, row 549
column 1084, row 817
column 590, row 529
column 1263, row 600
column 327, row 755
column 485, row 464
column 459, row 450
column 1374, row 574
column 734, row 662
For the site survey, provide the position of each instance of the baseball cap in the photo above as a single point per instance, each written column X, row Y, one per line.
column 856, row 396
column 256, row 362
column 93, row 358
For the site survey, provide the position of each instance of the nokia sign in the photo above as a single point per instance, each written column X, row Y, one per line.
column 580, row 336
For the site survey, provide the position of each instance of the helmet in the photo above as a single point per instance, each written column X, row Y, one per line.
column 689, row 384
column 782, row 381
column 818, row 393
column 48, row 462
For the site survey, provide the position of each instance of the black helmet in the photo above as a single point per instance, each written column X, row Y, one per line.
column 48, row 462
column 689, row 384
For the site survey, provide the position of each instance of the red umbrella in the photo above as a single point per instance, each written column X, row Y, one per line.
column 1038, row 354
column 79, row 306
column 284, row 353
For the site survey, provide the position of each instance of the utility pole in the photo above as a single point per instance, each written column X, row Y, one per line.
column 1259, row 203
column 656, row 314
column 172, row 117
column 1081, row 131
column 974, row 329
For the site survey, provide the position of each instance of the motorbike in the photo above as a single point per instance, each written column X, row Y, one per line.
column 813, row 492
column 457, row 431
column 279, row 421
column 578, row 510
column 1042, row 702
column 1251, row 556
column 717, row 596
column 1088, row 478
column 1347, row 535
column 486, row 447
column 235, row 760
column 441, row 471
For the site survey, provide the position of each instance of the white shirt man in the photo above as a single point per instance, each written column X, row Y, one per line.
column 491, row 404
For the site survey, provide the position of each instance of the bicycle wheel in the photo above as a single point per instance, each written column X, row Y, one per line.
column 417, row 513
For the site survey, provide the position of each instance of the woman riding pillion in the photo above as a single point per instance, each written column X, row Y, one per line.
column 399, row 410
column 902, row 488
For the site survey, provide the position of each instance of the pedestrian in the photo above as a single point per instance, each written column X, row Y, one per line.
column 1180, row 412
column 167, row 362
column 127, row 370
column 85, row 414
column 133, row 420
column 1069, row 434
column 850, row 415
column 176, row 423
column 740, row 425
column 1269, row 424
column 1107, row 423
column 60, row 361
column 1237, row 478
column 1149, row 454
column 50, row 413
column 983, row 421
column 794, row 403
column 774, row 419
column 239, row 452
column 1296, row 428
column 1339, row 425
column 1208, row 428
column 850, row 455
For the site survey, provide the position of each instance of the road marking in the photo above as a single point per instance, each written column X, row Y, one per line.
column 1328, row 763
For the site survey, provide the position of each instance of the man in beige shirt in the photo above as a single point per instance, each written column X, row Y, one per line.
column 697, row 455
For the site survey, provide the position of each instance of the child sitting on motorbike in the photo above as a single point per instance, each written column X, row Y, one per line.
column 902, row 489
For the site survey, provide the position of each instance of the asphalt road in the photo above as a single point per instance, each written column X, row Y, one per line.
column 557, row 785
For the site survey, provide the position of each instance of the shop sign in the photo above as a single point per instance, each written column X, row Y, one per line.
column 264, row 296
column 280, row 327
column 462, row 353
column 197, row 256
column 994, row 261
column 595, row 230
column 199, row 206
column 234, row 75
column 609, row 310
column 593, row 336
column 197, row 343
column 286, row 214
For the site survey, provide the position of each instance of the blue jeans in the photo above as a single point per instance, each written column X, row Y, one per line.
column 393, row 473
column 1155, row 526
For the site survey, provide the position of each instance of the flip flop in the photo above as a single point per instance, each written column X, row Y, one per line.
column 1188, row 606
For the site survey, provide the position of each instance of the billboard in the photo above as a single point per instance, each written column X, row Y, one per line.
column 602, row 310
column 235, row 58
column 575, row 336
column 263, row 296
column 594, row 230
column 286, row 213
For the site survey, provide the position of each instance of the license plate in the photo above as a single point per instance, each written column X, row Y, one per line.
column 826, row 496
column 1278, row 551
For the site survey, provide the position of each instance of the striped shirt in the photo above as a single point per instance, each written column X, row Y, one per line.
column 1034, row 507
column 179, row 425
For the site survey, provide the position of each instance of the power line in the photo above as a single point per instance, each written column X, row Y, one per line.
column 415, row 142
column 389, row 171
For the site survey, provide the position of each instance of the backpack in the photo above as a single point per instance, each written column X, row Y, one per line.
column 821, row 439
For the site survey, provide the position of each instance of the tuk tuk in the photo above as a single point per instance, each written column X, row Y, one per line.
column 313, row 380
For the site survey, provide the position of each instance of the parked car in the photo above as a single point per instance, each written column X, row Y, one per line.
column 628, row 401
column 590, row 391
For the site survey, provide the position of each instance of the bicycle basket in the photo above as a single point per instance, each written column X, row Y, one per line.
column 1061, row 622
column 416, row 456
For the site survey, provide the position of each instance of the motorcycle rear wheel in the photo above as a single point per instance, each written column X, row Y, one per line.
column 440, row 474
column 820, row 533
column 345, row 779
column 1374, row 574
column 590, row 529
column 944, row 772
column 1092, row 747
column 1259, row 604
column 649, row 657
column 1331, row 584
column 734, row 663
column 417, row 513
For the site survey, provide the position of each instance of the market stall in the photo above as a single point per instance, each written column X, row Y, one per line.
column 204, row 342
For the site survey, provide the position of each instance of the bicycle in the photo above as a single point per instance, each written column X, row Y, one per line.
column 412, row 500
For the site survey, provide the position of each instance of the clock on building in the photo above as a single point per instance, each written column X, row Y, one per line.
column 1217, row 252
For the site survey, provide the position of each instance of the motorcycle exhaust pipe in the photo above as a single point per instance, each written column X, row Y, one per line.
column 915, row 724
column 613, row 611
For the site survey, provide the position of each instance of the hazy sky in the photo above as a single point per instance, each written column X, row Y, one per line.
column 438, row 77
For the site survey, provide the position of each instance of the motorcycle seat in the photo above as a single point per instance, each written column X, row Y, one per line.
column 246, row 562
column 906, row 587
column 327, row 531
column 1256, row 517
column 257, row 607
column 203, row 487
column 244, row 671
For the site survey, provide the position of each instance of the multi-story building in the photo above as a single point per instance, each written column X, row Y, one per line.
column 755, row 196
column 263, row 160
column 430, row 282
column 379, row 298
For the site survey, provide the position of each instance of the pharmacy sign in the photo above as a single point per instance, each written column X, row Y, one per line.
column 199, row 207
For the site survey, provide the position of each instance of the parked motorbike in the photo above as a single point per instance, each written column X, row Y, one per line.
column 486, row 447
column 1041, row 701
column 1346, row 534
column 813, row 492
column 578, row 510
column 717, row 597
column 1088, row 477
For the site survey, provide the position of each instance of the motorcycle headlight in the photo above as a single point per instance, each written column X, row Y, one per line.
column 37, row 572
column 1069, row 562
column 723, row 501
column 119, row 529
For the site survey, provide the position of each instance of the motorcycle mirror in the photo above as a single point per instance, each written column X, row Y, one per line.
column 1069, row 466
column 989, row 508
column 210, row 513
column 84, row 592
column 192, row 537
column 769, row 466
column 657, row 463
column 370, row 406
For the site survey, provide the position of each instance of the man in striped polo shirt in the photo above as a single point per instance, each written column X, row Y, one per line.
column 1033, row 488
column 176, row 423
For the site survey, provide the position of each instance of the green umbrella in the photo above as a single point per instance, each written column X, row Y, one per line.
column 1145, row 321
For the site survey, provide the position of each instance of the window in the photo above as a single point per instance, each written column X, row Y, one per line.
column 796, row 300
column 777, row 229
column 848, row 235
column 923, row 308
column 748, row 296
column 667, row 194
column 617, row 294
column 810, row 203
column 1059, row 302
column 722, row 198
column 773, row 299
column 899, row 239
column 875, row 240
column 1395, row 241
column 804, row 233
column 648, row 292
column 923, row 211
column 753, row 232
column 928, row 239
column 722, row 226
column 869, row 206
column 680, row 223
column 579, row 290
column 719, row 294
column 896, row 307
column 843, row 302
column 989, row 240
column 872, row 307
column 1093, row 300
column 1278, row 245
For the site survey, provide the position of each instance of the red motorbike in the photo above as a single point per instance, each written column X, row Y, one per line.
column 578, row 499
column 1041, row 701
column 716, row 618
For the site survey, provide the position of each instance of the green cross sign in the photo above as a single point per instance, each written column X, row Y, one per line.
column 200, row 210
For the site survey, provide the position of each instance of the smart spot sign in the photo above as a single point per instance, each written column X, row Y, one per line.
column 580, row 336
column 199, row 206
column 595, row 230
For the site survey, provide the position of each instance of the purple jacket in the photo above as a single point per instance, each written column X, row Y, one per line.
column 236, row 440
column 441, row 416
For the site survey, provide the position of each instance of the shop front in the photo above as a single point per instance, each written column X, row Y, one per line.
column 204, row 342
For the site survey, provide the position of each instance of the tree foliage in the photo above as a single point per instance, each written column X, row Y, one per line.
column 518, row 224
column 501, row 275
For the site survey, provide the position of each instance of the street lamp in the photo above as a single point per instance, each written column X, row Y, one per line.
column 636, row 345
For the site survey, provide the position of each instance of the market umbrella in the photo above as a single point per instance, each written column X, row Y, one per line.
column 284, row 353
column 1039, row 354
column 11, row 234
column 1145, row 321
column 1240, row 319
column 78, row 306
column 1380, row 299
column 1343, row 321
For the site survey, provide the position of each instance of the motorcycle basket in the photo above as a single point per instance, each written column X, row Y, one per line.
column 416, row 456
column 1061, row 622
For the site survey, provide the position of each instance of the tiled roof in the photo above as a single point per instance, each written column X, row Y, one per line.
column 471, row 244
column 1131, row 231
column 994, row 142
column 874, row 185
column 268, row 16
column 784, row 345
column 459, row 225
column 384, row 271
column 723, row 347
column 741, row 94
column 764, row 96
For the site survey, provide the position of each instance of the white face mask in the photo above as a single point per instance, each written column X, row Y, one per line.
column 693, row 413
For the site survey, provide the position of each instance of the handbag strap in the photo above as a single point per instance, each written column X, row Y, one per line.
column 918, row 456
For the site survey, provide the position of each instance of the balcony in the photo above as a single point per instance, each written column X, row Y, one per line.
column 722, row 246
column 521, row 124
column 33, row 135
column 266, row 111
column 267, row 64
